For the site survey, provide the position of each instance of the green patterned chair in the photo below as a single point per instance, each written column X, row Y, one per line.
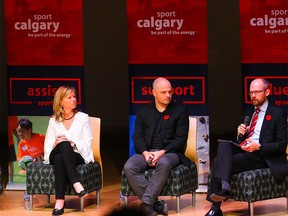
column 181, row 180
column 256, row 185
column 41, row 178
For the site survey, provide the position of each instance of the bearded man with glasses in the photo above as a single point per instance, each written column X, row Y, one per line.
column 261, row 143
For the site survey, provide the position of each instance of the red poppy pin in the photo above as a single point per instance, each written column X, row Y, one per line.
column 166, row 117
column 268, row 117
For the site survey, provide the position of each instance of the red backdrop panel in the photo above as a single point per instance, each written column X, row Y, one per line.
column 264, row 31
column 167, row 32
column 44, row 32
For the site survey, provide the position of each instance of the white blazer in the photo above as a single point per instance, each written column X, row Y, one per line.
column 80, row 133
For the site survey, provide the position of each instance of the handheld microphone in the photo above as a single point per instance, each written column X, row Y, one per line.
column 149, row 162
column 246, row 122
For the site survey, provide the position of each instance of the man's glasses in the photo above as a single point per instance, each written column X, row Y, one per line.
column 256, row 92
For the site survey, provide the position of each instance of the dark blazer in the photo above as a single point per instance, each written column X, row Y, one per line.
column 174, row 137
column 273, row 140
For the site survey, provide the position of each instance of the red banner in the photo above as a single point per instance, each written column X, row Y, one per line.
column 264, row 31
column 44, row 32
column 167, row 32
column 264, row 47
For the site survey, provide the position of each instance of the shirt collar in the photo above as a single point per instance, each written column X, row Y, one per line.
column 264, row 106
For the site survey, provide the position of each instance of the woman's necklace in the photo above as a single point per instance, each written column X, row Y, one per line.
column 70, row 117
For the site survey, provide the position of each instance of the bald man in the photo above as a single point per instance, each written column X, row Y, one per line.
column 160, row 137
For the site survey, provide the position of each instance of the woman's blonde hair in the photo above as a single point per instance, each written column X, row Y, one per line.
column 61, row 93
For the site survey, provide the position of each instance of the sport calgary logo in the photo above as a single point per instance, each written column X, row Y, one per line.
column 276, row 22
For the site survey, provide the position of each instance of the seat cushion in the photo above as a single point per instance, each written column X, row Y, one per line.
column 181, row 180
column 41, row 178
column 258, row 184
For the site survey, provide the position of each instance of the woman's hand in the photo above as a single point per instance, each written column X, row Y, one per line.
column 59, row 138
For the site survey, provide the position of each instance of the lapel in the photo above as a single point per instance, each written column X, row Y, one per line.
column 265, row 122
column 167, row 114
column 151, row 117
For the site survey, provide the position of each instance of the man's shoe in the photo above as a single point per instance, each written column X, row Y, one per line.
column 161, row 207
column 148, row 210
column 214, row 212
column 221, row 195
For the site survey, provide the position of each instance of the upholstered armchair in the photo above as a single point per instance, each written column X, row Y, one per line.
column 256, row 185
column 41, row 178
column 181, row 180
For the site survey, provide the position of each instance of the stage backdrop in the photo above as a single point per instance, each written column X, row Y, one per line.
column 264, row 47
column 168, row 38
column 44, row 45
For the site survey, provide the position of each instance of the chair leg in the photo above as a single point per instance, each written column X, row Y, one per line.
column 125, row 200
column 98, row 197
column 31, row 202
column 193, row 198
column 251, row 208
column 177, row 204
column 82, row 204
column 48, row 199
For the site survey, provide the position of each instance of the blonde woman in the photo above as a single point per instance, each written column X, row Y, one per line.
column 68, row 143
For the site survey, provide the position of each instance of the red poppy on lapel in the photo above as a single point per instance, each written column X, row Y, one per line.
column 166, row 117
column 268, row 117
